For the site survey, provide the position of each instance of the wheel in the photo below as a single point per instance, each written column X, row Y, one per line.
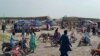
column 7, row 54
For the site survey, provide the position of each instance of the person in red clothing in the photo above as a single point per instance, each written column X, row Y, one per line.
column 15, row 51
column 95, row 52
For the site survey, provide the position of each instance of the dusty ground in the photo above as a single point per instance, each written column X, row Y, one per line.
column 44, row 49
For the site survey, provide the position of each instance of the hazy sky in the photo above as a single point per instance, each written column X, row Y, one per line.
column 52, row 8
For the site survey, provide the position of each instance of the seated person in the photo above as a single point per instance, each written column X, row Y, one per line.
column 85, row 39
column 12, row 40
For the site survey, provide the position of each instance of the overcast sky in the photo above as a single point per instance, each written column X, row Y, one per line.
column 52, row 8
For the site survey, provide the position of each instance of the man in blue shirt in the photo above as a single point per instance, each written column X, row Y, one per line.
column 12, row 40
column 64, row 44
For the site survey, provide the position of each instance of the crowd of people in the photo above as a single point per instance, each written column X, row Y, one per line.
column 23, row 43
column 63, row 40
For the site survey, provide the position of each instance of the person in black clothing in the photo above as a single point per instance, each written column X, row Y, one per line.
column 23, row 44
column 3, row 27
column 15, row 28
column 64, row 44
column 88, row 28
column 94, row 31
column 62, row 25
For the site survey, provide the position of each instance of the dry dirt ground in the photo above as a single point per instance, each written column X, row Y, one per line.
column 44, row 49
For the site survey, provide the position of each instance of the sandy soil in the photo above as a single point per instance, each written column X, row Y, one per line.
column 44, row 49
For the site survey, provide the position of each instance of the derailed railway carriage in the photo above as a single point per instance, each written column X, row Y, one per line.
column 26, row 25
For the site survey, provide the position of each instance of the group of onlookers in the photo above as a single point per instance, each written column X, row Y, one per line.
column 63, row 40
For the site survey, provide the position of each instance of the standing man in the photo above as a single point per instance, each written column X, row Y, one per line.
column 64, row 44
column 3, row 27
column 62, row 24
column 47, row 25
column 23, row 44
column 94, row 30
column 73, row 36
column 88, row 28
